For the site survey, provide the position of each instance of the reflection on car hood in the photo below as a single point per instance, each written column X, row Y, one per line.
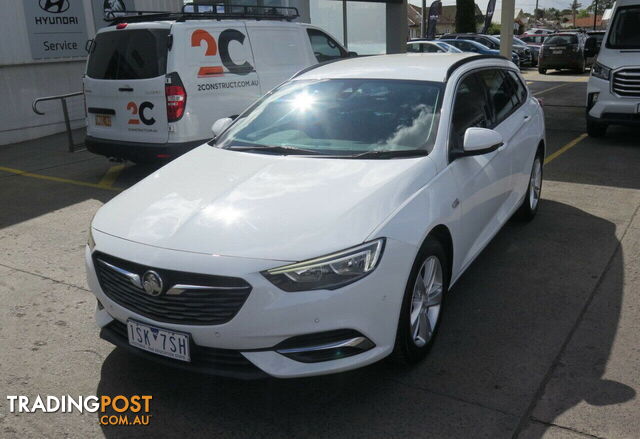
column 242, row 204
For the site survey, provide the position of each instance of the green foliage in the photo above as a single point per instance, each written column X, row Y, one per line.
column 494, row 29
column 465, row 16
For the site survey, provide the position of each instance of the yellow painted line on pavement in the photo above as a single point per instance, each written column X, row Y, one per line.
column 565, row 148
column 551, row 88
column 58, row 179
column 111, row 176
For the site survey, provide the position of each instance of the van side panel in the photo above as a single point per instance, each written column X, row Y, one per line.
column 215, row 63
column 280, row 50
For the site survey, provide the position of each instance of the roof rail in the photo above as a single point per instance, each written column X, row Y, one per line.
column 467, row 59
column 213, row 11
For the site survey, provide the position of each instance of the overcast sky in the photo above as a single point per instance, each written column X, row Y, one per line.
column 526, row 5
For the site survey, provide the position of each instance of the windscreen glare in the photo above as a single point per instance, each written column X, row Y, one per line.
column 625, row 29
column 129, row 54
column 561, row 40
column 342, row 117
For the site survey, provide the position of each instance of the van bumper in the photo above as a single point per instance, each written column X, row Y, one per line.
column 139, row 152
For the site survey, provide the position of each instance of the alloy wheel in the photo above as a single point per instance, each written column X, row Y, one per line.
column 426, row 301
column 535, row 184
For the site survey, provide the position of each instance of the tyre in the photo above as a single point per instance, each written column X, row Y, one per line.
column 529, row 206
column 595, row 128
column 422, row 303
column 542, row 71
column 581, row 67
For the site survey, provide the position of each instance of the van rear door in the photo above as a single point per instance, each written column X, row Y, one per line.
column 125, row 84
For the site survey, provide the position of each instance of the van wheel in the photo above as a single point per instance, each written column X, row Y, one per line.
column 581, row 67
column 422, row 303
column 596, row 129
column 542, row 71
column 529, row 206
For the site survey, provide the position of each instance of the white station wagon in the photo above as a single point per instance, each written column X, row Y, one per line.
column 321, row 229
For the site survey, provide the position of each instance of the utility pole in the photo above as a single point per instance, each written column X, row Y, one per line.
column 423, row 20
column 595, row 14
column 506, row 27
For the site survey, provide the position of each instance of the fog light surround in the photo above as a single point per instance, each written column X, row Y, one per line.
column 326, row 346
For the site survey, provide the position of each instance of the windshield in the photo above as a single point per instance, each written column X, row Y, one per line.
column 561, row 40
column 129, row 54
column 344, row 117
column 624, row 32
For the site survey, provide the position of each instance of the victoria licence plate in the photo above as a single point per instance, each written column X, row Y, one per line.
column 557, row 52
column 103, row 120
column 160, row 341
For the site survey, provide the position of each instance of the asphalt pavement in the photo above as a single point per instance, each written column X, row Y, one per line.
column 538, row 340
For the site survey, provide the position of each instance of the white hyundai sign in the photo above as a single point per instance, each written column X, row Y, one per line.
column 56, row 28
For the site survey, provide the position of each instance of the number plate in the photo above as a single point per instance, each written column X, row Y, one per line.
column 160, row 341
column 103, row 120
column 557, row 52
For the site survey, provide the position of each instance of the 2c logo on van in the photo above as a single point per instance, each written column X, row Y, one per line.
column 200, row 36
column 139, row 112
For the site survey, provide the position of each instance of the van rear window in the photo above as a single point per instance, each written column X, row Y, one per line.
column 129, row 54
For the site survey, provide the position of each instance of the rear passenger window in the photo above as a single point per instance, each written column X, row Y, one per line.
column 469, row 110
column 129, row 54
column 501, row 94
column 518, row 86
column 324, row 47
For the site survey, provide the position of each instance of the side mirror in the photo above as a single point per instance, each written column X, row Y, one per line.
column 352, row 54
column 478, row 141
column 590, row 47
column 220, row 125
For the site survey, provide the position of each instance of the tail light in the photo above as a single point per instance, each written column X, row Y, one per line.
column 176, row 97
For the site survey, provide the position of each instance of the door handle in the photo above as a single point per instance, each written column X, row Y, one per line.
column 527, row 118
column 125, row 89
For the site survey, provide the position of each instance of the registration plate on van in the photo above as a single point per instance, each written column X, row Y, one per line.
column 103, row 120
column 160, row 341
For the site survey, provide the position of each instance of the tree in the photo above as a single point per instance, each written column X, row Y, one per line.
column 575, row 6
column 465, row 16
column 583, row 13
column 602, row 5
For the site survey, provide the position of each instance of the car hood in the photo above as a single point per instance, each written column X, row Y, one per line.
column 262, row 206
column 617, row 58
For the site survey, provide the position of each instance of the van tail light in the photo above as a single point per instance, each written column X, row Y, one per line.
column 176, row 97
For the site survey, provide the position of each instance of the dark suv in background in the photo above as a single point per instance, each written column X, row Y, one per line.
column 524, row 53
column 564, row 50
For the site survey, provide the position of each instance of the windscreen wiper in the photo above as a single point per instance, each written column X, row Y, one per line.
column 390, row 154
column 282, row 150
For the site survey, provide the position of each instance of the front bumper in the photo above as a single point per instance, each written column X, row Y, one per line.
column 269, row 316
column 610, row 108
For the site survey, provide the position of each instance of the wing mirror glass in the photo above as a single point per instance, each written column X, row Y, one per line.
column 220, row 125
column 478, row 141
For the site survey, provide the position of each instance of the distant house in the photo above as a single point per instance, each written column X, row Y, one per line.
column 587, row 22
column 446, row 22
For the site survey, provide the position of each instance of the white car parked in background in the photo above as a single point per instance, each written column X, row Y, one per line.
column 321, row 230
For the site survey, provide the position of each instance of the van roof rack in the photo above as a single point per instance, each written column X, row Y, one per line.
column 212, row 11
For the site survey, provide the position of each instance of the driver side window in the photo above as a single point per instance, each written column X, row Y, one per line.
column 470, row 109
column 324, row 47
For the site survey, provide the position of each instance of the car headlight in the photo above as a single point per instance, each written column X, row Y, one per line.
column 328, row 272
column 600, row 71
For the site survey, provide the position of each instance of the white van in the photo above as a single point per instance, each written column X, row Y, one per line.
column 613, row 93
column 155, row 83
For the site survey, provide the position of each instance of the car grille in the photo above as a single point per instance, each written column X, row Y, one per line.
column 208, row 300
column 626, row 83
column 215, row 361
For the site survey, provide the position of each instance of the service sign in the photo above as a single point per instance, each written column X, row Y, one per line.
column 56, row 28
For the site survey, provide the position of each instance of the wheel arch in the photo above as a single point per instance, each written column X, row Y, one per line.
column 442, row 234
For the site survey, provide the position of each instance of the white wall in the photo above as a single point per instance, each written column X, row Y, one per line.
column 23, row 79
